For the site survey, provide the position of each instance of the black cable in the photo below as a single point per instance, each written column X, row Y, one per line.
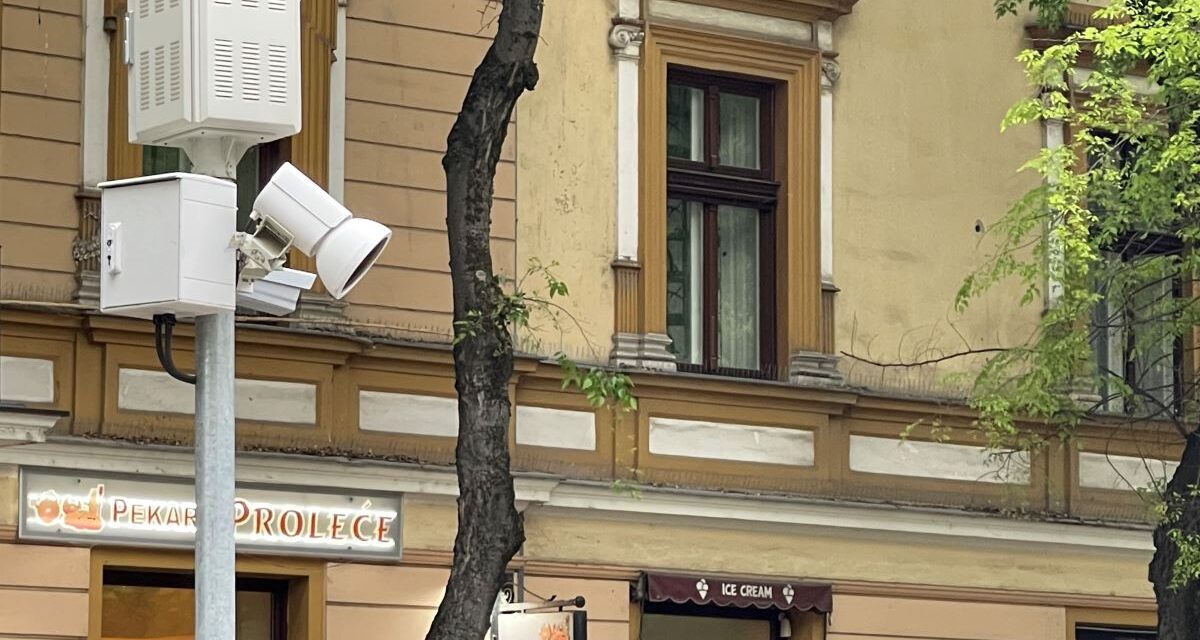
column 164, row 327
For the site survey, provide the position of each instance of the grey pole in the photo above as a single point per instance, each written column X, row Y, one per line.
column 215, row 580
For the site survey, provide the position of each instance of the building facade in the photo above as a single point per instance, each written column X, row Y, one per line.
column 751, row 202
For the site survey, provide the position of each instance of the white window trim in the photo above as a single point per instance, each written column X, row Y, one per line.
column 337, row 110
column 95, row 95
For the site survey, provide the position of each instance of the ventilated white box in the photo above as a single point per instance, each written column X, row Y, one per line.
column 215, row 68
column 165, row 246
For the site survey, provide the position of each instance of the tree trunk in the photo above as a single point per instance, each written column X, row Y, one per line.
column 490, row 531
column 1178, row 609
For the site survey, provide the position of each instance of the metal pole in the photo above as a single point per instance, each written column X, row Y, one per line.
column 215, row 580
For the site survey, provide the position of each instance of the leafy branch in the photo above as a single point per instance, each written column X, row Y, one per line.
column 518, row 300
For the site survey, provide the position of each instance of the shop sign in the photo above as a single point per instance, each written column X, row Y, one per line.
column 733, row 592
column 559, row 625
column 161, row 512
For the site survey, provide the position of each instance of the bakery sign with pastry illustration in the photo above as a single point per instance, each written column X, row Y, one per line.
column 557, row 625
column 129, row 510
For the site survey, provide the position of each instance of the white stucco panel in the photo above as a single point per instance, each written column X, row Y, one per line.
column 407, row 413
column 26, row 379
column 558, row 428
column 912, row 458
column 734, row 442
column 1127, row 473
column 263, row 400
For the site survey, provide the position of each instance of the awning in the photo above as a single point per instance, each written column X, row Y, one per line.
column 738, row 592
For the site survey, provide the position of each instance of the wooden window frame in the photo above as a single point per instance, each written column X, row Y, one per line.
column 712, row 184
column 1129, row 619
column 1129, row 247
column 1155, row 245
column 795, row 72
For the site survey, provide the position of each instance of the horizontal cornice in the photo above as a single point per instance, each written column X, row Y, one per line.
column 596, row 499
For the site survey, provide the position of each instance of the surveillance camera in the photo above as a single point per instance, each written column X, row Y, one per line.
column 345, row 247
column 275, row 293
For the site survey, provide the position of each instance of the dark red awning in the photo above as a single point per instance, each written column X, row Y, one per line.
column 738, row 592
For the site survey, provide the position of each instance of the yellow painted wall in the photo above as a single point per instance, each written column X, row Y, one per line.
column 430, row 525
column 607, row 602
column 918, row 159
column 407, row 71
column 41, row 78
column 364, row 599
column 825, row 555
column 856, row 617
column 43, row 591
column 566, row 182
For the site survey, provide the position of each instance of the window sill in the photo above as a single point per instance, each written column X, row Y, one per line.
column 687, row 372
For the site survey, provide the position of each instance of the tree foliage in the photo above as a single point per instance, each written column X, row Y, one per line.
column 1103, row 237
column 1105, row 243
column 1050, row 12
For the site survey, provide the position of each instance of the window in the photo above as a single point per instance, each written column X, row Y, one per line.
column 253, row 171
column 1132, row 338
column 1113, row 633
column 728, row 125
column 721, row 201
column 161, row 605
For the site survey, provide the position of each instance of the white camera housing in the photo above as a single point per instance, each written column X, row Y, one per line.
column 168, row 245
column 345, row 247
column 213, row 69
column 277, row 292
column 165, row 245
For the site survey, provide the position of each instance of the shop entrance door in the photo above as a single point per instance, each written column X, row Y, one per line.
column 669, row 621
column 160, row 605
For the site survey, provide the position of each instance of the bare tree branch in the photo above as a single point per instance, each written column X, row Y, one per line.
column 920, row 363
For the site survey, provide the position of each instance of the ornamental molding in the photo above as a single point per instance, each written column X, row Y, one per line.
column 831, row 71
column 626, row 37
column 797, row 10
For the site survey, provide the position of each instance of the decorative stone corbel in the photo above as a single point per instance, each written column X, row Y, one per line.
column 831, row 71
column 626, row 37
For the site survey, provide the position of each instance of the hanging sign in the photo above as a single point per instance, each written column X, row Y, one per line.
column 559, row 625
column 161, row 512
